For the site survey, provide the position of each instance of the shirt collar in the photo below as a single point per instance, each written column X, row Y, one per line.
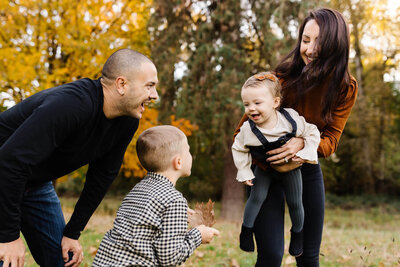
column 158, row 177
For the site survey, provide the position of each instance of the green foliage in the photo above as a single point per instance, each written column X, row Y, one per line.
column 205, row 181
column 219, row 44
column 368, row 155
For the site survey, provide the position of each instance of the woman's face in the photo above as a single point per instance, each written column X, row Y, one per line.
column 309, row 46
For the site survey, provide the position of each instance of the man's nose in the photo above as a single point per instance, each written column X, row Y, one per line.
column 153, row 94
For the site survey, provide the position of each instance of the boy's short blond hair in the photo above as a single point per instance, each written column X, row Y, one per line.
column 157, row 146
column 267, row 80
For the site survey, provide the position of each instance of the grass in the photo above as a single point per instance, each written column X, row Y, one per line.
column 357, row 232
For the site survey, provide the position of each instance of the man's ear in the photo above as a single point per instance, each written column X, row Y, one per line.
column 120, row 83
column 177, row 162
column 277, row 102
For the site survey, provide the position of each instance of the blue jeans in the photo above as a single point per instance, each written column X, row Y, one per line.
column 42, row 224
column 269, row 225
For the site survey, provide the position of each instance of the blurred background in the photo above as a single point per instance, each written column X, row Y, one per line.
column 204, row 51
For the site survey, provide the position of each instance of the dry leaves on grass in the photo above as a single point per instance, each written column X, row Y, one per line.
column 92, row 251
column 234, row 263
column 204, row 214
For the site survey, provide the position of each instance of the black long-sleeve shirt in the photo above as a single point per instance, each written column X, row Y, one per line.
column 53, row 133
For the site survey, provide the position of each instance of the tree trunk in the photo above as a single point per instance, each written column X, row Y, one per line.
column 362, row 107
column 232, row 191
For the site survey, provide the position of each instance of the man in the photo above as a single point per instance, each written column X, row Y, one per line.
column 54, row 132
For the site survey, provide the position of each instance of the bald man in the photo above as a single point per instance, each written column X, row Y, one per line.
column 53, row 133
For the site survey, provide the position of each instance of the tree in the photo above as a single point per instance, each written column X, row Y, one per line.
column 218, row 45
column 48, row 43
column 368, row 165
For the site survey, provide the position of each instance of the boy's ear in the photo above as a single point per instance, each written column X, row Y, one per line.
column 177, row 162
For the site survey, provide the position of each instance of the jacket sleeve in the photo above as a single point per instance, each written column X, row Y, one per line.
column 242, row 158
column 34, row 140
column 175, row 244
column 100, row 175
column 331, row 133
column 309, row 132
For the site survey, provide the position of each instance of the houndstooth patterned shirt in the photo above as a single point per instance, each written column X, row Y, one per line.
column 150, row 228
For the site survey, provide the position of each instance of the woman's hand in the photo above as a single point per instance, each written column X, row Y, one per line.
column 287, row 152
column 298, row 160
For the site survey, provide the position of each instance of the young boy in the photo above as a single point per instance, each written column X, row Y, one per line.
column 151, row 224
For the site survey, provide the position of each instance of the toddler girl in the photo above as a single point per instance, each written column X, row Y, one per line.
column 270, row 127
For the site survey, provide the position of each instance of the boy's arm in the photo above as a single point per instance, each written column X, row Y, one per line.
column 175, row 244
column 242, row 158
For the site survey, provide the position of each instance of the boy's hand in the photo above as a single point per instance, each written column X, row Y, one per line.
column 248, row 182
column 191, row 212
column 207, row 233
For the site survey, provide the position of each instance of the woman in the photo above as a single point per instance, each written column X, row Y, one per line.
column 317, row 84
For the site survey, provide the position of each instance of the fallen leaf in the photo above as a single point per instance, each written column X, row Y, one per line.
column 92, row 251
column 234, row 263
column 345, row 258
column 199, row 254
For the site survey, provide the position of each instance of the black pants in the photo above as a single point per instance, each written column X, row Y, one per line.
column 269, row 225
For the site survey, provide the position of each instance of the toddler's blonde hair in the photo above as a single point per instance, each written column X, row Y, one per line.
column 267, row 80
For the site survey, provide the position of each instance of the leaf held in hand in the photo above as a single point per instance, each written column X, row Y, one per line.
column 204, row 214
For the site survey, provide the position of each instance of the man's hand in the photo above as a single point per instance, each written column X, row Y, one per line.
column 71, row 245
column 207, row 233
column 13, row 253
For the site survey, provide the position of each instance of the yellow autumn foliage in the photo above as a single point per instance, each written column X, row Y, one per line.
column 46, row 43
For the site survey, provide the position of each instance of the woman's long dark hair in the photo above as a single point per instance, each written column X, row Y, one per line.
column 330, row 68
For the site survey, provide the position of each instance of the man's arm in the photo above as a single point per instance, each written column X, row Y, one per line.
column 100, row 175
column 32, row 142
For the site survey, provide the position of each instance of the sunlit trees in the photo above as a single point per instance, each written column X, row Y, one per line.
column 47, row 43
column 369, row 152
